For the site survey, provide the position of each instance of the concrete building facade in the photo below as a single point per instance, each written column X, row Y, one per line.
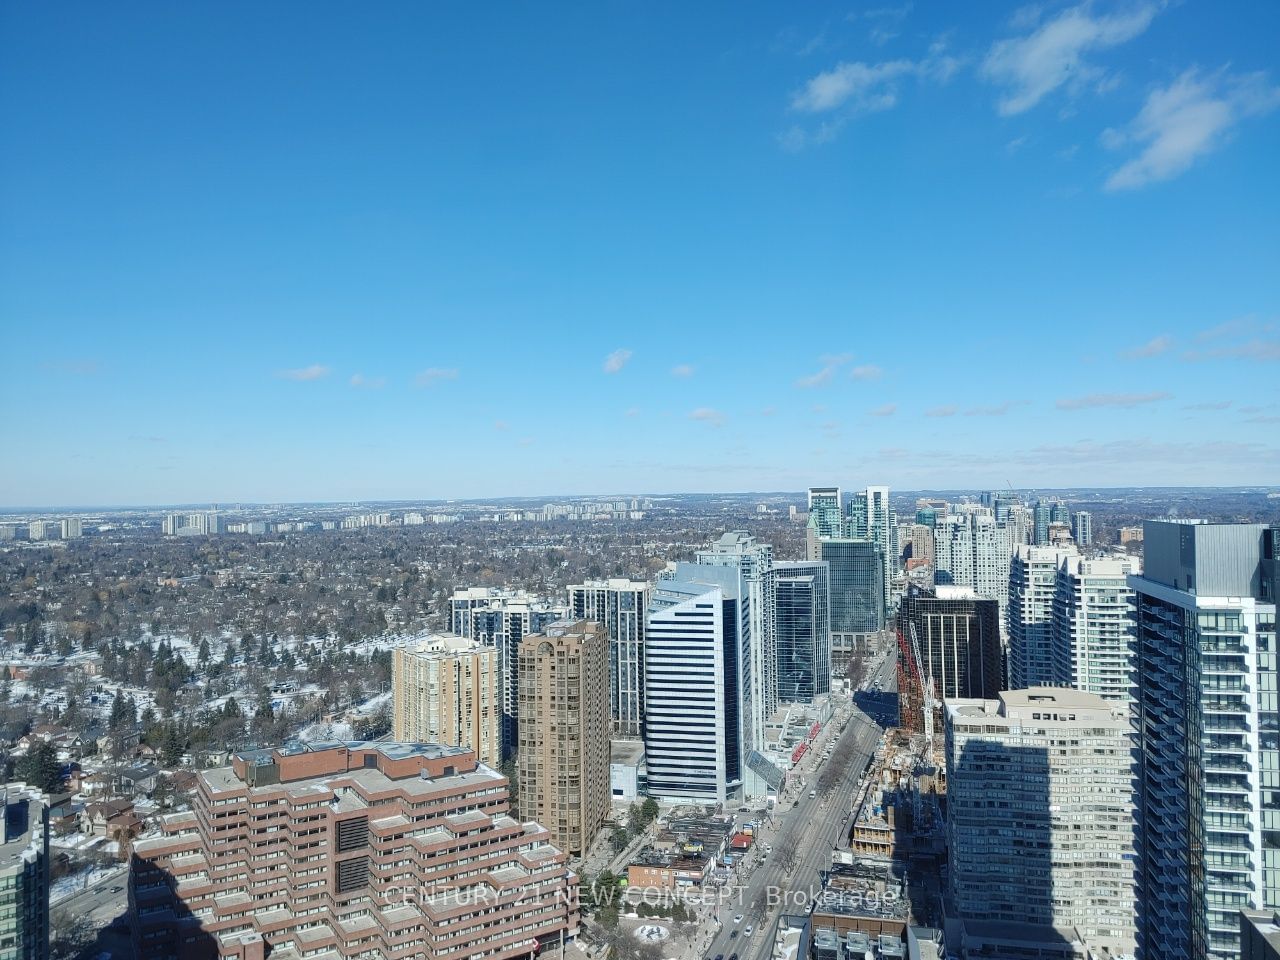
column 1092, row 635
column 621, row 606
column 1040, row 814
column 445, row 689
column 694, row 725
column 564, row 731
column 1033, row 582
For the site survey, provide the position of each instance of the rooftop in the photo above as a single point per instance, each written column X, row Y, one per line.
column 24, row 822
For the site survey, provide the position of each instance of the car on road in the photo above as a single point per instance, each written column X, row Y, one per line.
column 738, row 918
column 719, row 956
column 733, row 956
column 748, row 931
column 812, row 794
column 732, row 934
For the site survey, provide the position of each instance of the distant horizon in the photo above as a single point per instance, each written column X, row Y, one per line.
column 400, row 502
column 300, row 251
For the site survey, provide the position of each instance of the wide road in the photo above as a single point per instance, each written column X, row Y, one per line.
column 817, row 827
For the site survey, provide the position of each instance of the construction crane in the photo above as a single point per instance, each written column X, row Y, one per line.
column 928, row 703
column 924, row 676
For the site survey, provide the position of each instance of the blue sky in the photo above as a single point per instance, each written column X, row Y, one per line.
column 314, row 251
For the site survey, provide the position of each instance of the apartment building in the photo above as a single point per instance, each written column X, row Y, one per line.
column 620, row 605
column 1093, row 626
column 24, row 874
column 342, row 850
column 1040, row 815
column 1207, row 718
column 564, row 731
column 1033, row 583
column 445, row 689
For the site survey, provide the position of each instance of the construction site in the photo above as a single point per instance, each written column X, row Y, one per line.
column 897, row 815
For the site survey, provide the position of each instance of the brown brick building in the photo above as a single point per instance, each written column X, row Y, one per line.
column 346, row 850
column 564, row 731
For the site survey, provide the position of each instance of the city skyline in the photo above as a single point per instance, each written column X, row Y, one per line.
column 264, row 280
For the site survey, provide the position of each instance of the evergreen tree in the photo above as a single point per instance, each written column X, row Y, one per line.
column 40, row 768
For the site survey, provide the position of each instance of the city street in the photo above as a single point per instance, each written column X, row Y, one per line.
column 815, row 828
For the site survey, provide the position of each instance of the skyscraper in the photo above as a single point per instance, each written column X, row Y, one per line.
column 1092, row 636
column 826, row 511
column 1082, row 528
column 959, row 636
column 802, row 630
column 71, row 528
column 1042, row 516
column 694, row 725
column 620, row 605
column 971, row 551
column 856, row 572
column 564, row 731
column 882, row 530
column 501, row 619
column 40, row 529
column 445, row 690
column 24, row 874
column 345, row 851
column 758, row 671
column 1033, row 582
column 1208, row 725
column 1040, row 816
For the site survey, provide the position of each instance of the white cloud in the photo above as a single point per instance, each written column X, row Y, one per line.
column 830, row 364
column 632, row 412
column 433, row 375
column 854, row 88
column 1152, row 348
column 867, row 371
column 1245, row 338
column 372, row 383
column 1186, row 120
column 1053, row 54
column 1254, row 349
column 885, row 410
column 866, row 87
column 616, row 361
column 1211, row 405
column 314, row 372
column 707, row 415
column 1112, row 400
column 947, row 411
column 682, row 370
column 1237, row 328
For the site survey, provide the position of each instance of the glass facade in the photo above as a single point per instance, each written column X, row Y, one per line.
column 802, row 631
column 856, row 571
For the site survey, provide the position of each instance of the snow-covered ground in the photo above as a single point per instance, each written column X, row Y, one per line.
column 71, row 885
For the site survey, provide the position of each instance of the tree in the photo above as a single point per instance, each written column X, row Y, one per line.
column 68, row 933
column 619, row 838
column 40, row 767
